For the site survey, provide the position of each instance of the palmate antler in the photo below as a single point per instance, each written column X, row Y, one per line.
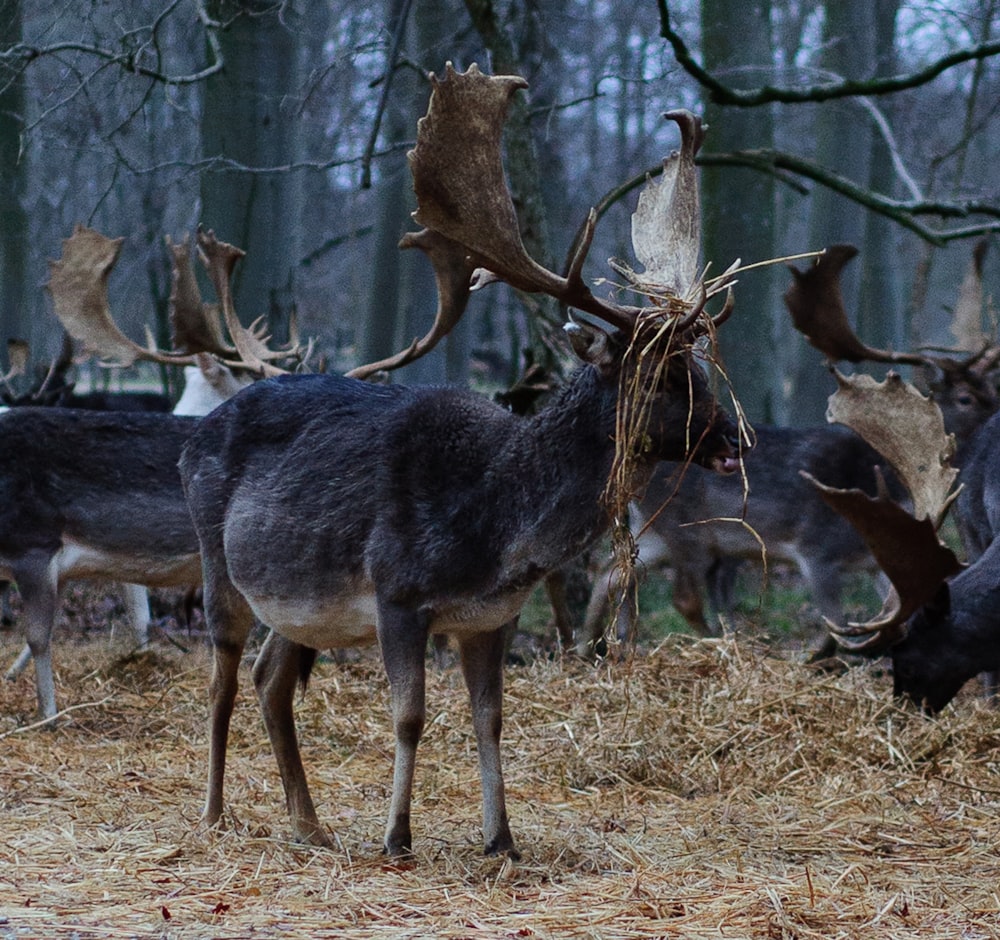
column 462, row 197
column 816, row 304
column 78, row 283
column 907, row 429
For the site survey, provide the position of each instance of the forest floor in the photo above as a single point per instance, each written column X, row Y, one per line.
column 698, row 788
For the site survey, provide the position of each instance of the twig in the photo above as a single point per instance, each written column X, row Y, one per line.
column 390, row 71
column 47, row 721
column 720, row 93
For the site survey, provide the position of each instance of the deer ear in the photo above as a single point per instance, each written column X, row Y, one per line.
column 590, row 343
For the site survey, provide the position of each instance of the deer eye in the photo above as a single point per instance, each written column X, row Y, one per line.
column 965, row 400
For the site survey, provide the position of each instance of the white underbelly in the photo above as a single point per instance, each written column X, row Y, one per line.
column 320, row 624
column 351, row 620
column 80, row 561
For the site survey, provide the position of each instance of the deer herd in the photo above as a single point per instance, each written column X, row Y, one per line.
column 338, row 512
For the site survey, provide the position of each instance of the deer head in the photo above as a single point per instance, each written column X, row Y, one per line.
column 962, row 385
column 908, row 430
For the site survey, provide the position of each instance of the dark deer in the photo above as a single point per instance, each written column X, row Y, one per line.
column 939, row 624
column 703, row 524
column 342, row 513
column 96, row 495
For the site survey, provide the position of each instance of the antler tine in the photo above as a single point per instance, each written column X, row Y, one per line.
column 987, row 360
column 194, row 324
column 816, row 304
column 78, row 283
column 220, row 258
column 452, row 274
column 689, row 318
column 727, row 309
column 863, row 638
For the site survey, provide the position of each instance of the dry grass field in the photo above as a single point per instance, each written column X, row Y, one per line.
column 701, row 789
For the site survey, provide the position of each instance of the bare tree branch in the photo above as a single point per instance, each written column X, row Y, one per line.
column 722, row 94
column 128, row 60
column 780, row 165
column 390, row 71
column 900, row 211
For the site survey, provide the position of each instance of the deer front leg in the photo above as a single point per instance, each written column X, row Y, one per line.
column 275, row 675
column 482, row 665
column 229, row 620
column 402, row 636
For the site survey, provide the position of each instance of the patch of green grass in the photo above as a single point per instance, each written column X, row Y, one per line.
column 781, row 611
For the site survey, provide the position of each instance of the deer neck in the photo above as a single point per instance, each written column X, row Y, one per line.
column 572, row 442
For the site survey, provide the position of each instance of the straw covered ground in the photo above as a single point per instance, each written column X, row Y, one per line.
column 703, row 789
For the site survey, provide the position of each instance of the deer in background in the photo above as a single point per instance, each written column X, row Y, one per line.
column 704, row 525
column 342, row 513
column 206, row 385
column 940, row 623
column 96, row 495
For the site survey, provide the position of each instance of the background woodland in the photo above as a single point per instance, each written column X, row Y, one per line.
column 284, row 128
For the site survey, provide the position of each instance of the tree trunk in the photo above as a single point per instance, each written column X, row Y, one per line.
column 525, row 177
column 248, row 121
column 15, row 313
column 843, row 142
column 738, row 205
column 403, row 297
column 880, row 321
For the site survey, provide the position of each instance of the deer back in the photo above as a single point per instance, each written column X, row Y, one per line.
column 102, row 482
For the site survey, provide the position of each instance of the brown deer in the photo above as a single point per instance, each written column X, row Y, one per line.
column 342, row 513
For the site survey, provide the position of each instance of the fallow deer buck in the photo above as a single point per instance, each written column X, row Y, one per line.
column 940, row 622
column 703, row 524
column 206, row 385
column 341, row 513
column 96, row 495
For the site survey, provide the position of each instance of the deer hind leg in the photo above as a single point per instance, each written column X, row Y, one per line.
column 275, row 675
column 689, row 598
column 402, row 636
column 229, row 621
column 37, row 581
column 482, row 666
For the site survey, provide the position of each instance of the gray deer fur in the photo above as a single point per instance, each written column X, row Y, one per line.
column 89, row 495
column 957, row 635
column 205, row 385
column 341, row 513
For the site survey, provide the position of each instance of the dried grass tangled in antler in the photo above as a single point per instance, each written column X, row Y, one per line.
column 640, row 377
column 644, row 371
